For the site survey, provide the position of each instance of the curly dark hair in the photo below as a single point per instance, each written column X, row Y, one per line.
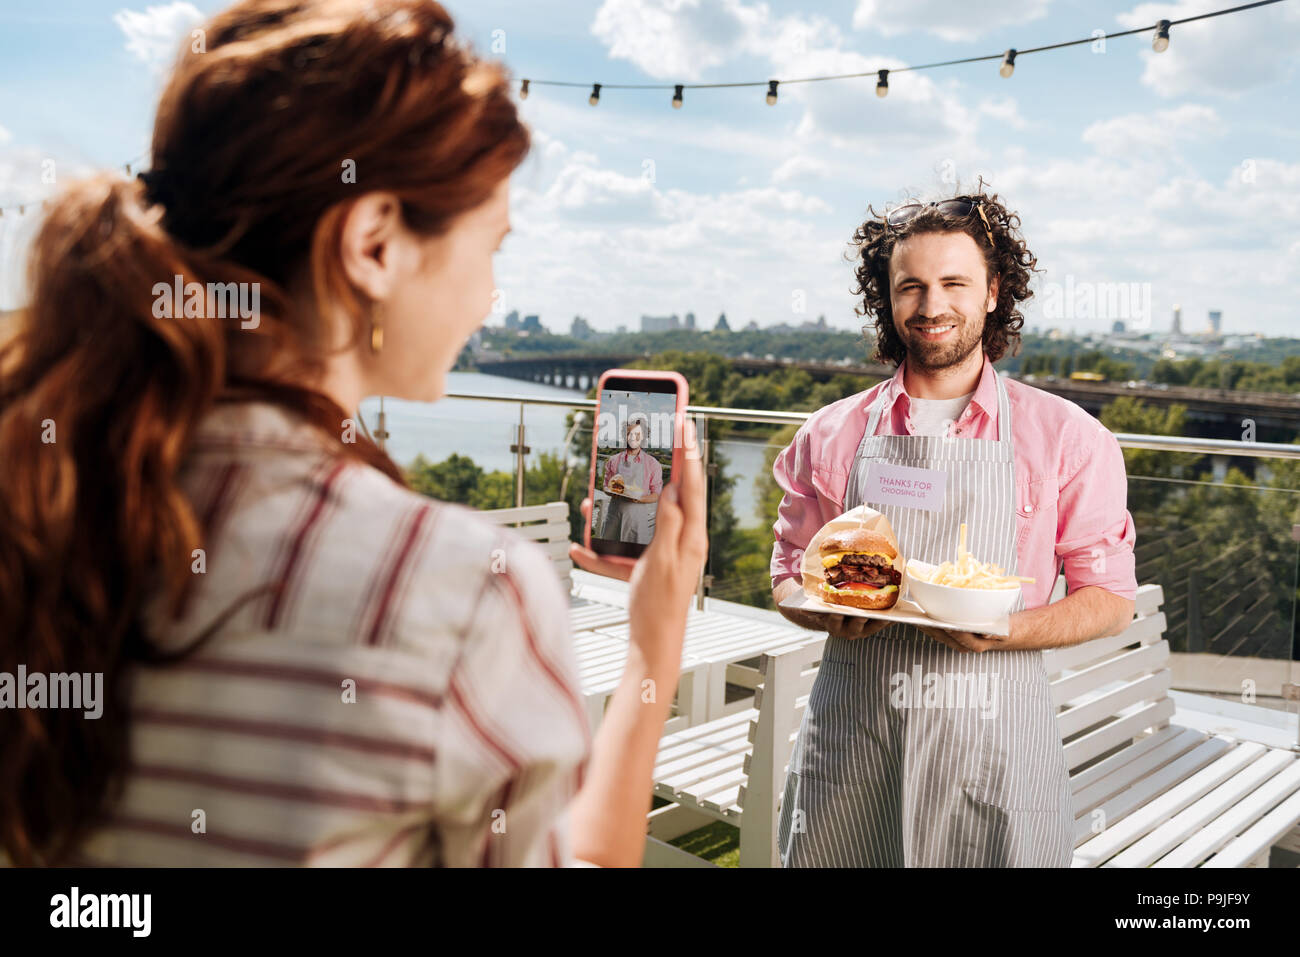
column 1008, row 258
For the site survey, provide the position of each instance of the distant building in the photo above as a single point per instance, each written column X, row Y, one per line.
column 621, row 330
column 751, row 326
column 532, row 324
column 1177, row 328
column 660, row 323
column 1216, row 321
column 1117, row 325
column 722, row 325
column 690, row 321
column 580, row 328
column 512, row 319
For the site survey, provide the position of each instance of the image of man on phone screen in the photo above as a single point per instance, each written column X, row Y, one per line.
column 633, row 479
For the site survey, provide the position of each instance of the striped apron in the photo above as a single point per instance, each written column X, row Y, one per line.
column 912, row 754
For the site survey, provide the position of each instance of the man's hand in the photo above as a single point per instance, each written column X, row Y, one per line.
column 968, row 641
column 1083, row 615
column 837, row 626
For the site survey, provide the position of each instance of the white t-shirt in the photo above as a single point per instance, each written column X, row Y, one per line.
column 931, row 416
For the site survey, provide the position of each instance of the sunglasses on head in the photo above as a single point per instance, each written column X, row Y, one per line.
column 956, row 208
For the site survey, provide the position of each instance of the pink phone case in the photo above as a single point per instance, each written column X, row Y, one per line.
column 683, row 400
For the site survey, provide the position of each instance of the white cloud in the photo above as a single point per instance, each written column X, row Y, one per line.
column 5, row 136
column 676, row 38
column 799, row 167
column 953, row 20
column 154, row 36
column 1229, row 54
column 1159, row 131
column 1004, row 110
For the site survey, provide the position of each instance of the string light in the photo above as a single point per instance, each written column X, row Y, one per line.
column 1159, row 43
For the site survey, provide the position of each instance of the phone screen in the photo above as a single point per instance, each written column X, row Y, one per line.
column 634, row 459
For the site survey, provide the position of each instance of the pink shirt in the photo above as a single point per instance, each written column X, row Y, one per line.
column 650, row 468
column 1071, row 487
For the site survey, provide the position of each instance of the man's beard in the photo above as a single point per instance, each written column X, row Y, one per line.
column 964, row 340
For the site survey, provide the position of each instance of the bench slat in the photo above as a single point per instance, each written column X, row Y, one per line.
column 1128, row 801
column 1234, row 822
column 1271, row 827
column 1080, row 716
column 1095, row 743
column 1124, row 776
column 1187, row 790
column 1200, row 814
column 1146, row 630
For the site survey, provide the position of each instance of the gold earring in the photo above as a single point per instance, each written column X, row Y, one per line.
column 376, row 330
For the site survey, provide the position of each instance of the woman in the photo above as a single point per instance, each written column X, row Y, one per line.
column 631, row 510
column 304, row 661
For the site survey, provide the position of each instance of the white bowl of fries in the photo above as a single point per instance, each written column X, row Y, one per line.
column 967, row 590
column 978, row 599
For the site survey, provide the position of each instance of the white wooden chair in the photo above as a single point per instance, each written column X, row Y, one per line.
column 548, row 525
column 733, row 769
column 1146, row 791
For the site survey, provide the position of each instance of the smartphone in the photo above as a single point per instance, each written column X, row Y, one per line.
column 636, row 449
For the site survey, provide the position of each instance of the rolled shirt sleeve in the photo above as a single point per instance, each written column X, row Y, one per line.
column 1095, row 534
column 799, row 516
column 655, row 468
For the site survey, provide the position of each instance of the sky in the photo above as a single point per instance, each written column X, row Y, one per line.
column 1142, row 179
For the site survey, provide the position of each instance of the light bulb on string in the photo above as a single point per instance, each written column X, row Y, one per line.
column 523, row 90
column 677, row 97
column 595, row 94
column 1160, row 42
column 771, row 92
column 882, row 83
column 1008, row 62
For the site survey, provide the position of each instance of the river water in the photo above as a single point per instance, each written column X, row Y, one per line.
column 484, row 431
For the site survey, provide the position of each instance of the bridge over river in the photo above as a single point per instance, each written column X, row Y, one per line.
column 1211, row 413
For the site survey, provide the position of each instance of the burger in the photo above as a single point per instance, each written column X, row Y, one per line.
column 859, row 569
column 616, row 484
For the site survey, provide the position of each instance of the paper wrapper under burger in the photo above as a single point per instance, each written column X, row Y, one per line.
column 861, row 517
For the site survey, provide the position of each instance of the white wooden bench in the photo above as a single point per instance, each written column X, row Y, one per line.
column 1146, row 790
column 548, row 526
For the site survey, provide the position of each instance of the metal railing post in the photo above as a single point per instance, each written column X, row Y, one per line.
column 702, row 434
column 521, row 451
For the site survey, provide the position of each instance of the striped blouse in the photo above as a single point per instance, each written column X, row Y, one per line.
column 391, row 680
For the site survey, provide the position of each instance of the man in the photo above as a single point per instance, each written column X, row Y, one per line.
column 885, row 772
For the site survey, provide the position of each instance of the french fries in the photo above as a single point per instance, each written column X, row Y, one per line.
column 969, row 572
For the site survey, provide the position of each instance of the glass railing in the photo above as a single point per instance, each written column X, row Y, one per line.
column 1218, row 521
